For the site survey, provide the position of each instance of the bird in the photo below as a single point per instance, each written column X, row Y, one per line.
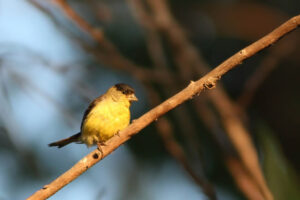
column 105, row 117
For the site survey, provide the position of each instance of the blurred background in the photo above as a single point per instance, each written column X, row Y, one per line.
column 56, row 56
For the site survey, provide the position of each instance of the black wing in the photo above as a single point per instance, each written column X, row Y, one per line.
column 88, row 110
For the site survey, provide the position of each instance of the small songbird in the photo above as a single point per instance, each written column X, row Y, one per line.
column 105, row 117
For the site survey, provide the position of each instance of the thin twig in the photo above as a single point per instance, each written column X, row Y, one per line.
column 153, row 40
column 28, row 84
column 241, row 140
column 238, row 171
column 190, row 61
column 96, row 33
column 265, row 68
column 242, row 179
column 177, row 152
column 181, row 114
column 157, row 54
column 108, row 53
column 194, row 88
column 164, row 76
column 165, row 131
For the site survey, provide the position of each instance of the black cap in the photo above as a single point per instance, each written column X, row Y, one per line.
column 124, row 88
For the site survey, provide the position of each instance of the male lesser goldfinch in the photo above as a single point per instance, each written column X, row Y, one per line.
column 105, row 117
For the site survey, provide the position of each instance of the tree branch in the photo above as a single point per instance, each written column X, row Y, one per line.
column 190, row 62
column 164, row 127
column 194, row 88
column 265, row 68
column 107, row 53
column 243, row 180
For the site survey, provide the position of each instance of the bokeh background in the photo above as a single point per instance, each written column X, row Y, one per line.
column 56, row 56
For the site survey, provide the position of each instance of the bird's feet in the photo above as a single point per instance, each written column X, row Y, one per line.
column 99, row 147
column 118, row 133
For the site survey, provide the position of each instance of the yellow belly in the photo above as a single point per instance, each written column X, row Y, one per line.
column 104, row 121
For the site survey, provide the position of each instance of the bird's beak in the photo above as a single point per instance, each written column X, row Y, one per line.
column 132, row 97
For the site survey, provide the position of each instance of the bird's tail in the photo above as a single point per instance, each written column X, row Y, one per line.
column 64, row 142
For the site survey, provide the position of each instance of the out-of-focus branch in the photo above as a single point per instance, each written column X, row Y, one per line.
column 95, row 33
column 241, row 140
column 243, row 180
column 153, row 40
column 186, row 55
column 100, row 8
column 164, row 127
column 165, row 130
column 268, row 64
column 113, row 58
column 107, row 52
column 238, row 171
column 139, row 72
column 27, row 84
column 108, row 55
column 194, row 88
column 159, row 59
column 9, row 124
column 189, row 61
column 38, row 5
column 181, row 114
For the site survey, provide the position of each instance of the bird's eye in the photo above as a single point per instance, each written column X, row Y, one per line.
column 126, row 92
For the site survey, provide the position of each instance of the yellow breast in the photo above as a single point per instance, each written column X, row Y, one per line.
column 104, row 121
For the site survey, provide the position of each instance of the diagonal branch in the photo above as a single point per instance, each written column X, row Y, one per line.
column 95, row 33
column 166, row 132
column 164, row 126
column 265, row 68
column 159, row 59
column 243, row 179
column 194, row 88
column 190, row 62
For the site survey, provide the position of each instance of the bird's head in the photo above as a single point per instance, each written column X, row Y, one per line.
column 122, row 92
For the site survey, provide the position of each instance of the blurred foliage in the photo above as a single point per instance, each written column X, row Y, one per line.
column 281, row 176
